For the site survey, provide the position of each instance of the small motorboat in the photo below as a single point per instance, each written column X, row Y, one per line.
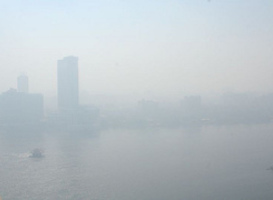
column 36, row 153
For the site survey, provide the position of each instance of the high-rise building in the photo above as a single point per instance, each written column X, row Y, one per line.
column 68, row 84
column 22, row 83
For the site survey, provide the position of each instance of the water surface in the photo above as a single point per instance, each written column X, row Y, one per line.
column 152, row 164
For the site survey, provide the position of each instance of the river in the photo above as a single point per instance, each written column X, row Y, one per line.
column 211, row 162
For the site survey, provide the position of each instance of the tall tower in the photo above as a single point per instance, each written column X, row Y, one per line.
column 68, row 84
column 22, row 83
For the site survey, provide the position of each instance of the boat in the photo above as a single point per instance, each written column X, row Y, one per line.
column 36, row 153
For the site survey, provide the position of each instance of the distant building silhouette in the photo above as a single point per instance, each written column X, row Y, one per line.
column 19, row 108
column 148, row 107
column 192, row 103
column 191, row 109
column 68, row 86
column 82, row 119
column 22, row 83
column 71, row 116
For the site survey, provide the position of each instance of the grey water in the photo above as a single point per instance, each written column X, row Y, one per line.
column 212, row 162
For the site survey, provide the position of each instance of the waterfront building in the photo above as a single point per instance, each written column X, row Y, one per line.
column 68, row 83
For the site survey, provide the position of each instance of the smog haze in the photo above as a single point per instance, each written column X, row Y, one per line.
column 161, row 47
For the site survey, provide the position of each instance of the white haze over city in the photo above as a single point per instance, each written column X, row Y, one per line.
column 170, row 48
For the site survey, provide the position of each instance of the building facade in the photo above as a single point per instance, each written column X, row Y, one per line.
column 68, row 83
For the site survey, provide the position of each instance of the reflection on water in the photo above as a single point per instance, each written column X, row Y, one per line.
column 153, row 164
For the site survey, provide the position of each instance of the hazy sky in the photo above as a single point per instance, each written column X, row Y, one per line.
column 162, row 46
